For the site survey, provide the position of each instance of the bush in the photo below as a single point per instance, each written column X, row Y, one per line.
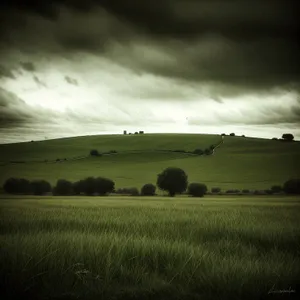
column 198, row 151
column 63, row 188
column 208, row 151
column 243, row 135
column 133, row 191
column 17, row 186
column 259, row 192
column 276, row 188
column 275, row 139
column 41, row 187
column 245, row 191
column 148, row 190
column 292, row 186
column 233, row 191
column 94, row 152
column 223, row 134
column 232, row 134
column 197, row 189
column 212, row 147
column 172, row 180
column 269, row 192
column 215, row 190
column 136, row 132
column 288, row 137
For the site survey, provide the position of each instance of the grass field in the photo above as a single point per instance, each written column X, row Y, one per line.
column 240, row 163
column 149, row 248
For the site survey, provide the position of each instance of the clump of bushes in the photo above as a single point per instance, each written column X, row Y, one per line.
column 276, row 189
column 128, row 191
column 148, row 190
column 198, row 152
column 197, row 189
column 215, row 190
column 94, row 152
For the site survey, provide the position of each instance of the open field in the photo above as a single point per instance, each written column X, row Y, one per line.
column 149, row 248
column 239, row 163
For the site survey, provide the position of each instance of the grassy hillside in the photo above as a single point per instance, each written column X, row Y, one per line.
column 149, row 248
column 239, row 162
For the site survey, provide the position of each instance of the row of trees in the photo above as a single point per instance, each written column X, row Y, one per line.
column 286, row 137
column 172, row 180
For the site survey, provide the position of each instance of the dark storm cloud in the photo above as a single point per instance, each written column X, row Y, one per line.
column 28, row 66
column 243, row 46
column 5, row 72
column 71, row 80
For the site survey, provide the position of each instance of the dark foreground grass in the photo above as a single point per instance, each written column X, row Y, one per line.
column 149, row 248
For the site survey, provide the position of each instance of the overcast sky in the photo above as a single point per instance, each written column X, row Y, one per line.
column 72, row 67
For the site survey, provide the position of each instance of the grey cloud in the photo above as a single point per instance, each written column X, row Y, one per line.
column 71, row 80
column 4, row 72
column 28, row 66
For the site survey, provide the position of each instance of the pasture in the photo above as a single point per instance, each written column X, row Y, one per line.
column 149, row 247
column 239, row 163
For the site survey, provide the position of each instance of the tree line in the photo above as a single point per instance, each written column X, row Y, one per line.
column 171, row 180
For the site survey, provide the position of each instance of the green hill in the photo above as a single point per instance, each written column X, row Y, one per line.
column 238, row 163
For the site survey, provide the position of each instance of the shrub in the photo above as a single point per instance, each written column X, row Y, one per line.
column 136, row 132
column 243, row 135
column 259, row 192
column 133, row 191
column 276, row 188
column 245, row 191
column 94, row 152
column 275, row 139
column 212, row 147
column 57, row 159
column 292, row 186
column 269, row 192
column 63, row 188
column 17, row 186
column 223, row 134
column 172, row 180
column 197, row 189
column 208, row 152
column 198, row 151
column 148, row 190
column 215, row 190
column 41, row 187
column 89, row 186
column 112, row 151
column 232, row 134
column 287, row 136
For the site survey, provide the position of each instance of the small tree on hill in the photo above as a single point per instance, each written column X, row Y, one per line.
column 288, row 137
column 197, row 189
column 232, row 134
column 172, row 180
column 148, row 190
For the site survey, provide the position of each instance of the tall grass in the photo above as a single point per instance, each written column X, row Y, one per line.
column 145, row 248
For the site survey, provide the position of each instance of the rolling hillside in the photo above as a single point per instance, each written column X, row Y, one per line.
column 248, row 163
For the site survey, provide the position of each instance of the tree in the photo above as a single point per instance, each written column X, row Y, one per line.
column 292, row 186
column 148, row 190
column 276, row 188
column 63, row 187
column 17, row 186
column 104, row 186
column 41, row 187
column 78, row 187
column 172, row 180
column 197, row 189
column 232, row 134
column 288, row 137
column 275, row 139
column 89, row 186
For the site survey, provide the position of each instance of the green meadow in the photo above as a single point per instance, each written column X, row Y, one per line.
column 149, row 248
column 239, row 163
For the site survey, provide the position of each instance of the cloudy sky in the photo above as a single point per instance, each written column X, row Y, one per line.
column 72, row 67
